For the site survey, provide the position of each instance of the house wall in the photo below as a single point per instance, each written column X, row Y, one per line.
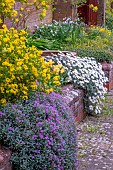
column 63, row 9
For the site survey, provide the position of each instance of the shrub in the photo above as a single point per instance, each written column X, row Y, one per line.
column 100, row 55
column 85, row 73
column 40, row 132
column 22, row 69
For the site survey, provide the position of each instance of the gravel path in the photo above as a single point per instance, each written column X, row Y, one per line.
column 95, row 140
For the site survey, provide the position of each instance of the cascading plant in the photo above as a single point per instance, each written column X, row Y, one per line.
column 87, row 74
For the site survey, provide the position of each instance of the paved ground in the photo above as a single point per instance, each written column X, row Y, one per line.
column 95, row 140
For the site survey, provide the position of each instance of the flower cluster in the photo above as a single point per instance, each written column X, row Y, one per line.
column 94, row 8
column 41, row 132
column 22, row 69
column 85, row 73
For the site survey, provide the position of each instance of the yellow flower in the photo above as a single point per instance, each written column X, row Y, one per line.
column 28, row 10
column 91, row 5
column 2, row 89
column 56, row 83
column 7, row 80
column 62, row 70
column 43, row 3
column 3, row 101
column 95, row 9
column 25, row 97
column 1, row 21
column 56, row 78
column 16, row 20
column 20, row 15
column 51, row 90
column 21, row 9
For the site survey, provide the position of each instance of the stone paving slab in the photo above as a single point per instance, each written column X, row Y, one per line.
column 95, row 141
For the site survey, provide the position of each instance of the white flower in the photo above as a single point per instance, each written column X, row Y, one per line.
column 88, row 74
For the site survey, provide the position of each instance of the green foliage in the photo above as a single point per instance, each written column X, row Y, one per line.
column 100, row 55
column 40, row 132
column 43, row 44
column 109, row 21
column 109, row 14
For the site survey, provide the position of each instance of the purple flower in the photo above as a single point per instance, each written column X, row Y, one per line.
column 34, row 137
column 11, row 128
column 41, row 136
column 32, row 157
column 17, row 118
column 2, row 114
column 39, row 123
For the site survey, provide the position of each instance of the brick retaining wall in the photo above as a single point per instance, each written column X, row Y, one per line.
column 74, row 99
column 108, row 70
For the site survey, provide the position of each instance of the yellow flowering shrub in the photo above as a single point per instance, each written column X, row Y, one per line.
column 22, row 69
column 7, row 8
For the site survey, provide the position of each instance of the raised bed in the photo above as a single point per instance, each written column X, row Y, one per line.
column 106, row 67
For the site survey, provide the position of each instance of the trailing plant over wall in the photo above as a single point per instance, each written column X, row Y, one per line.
column 84, row 73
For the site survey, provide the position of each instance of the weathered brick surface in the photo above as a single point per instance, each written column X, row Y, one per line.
column 74, row 99
column 63, row 9
column 108, row 70
column 5, row 155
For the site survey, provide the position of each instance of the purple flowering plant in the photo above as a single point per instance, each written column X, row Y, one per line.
column 40, row 132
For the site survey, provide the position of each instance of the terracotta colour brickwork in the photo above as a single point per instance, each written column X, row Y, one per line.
column 108, row 70
column 63, row 9
column 74, row 98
